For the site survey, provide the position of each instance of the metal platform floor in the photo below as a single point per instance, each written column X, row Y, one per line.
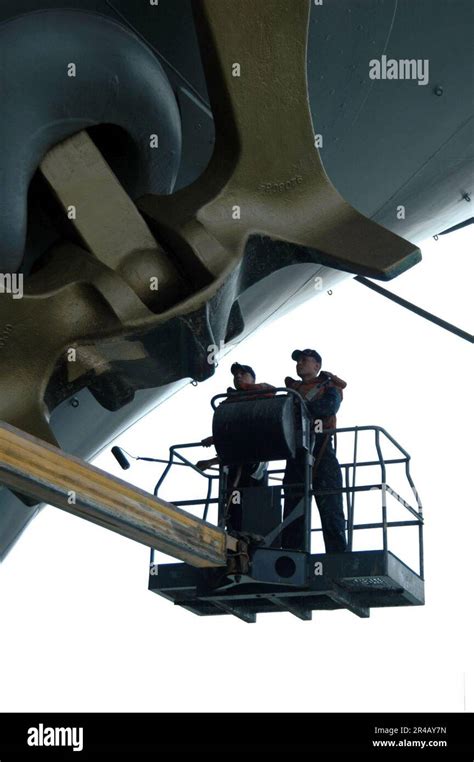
column 292, row 581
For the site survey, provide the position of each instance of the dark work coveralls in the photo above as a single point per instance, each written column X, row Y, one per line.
column 245, row 474
column 327, row 475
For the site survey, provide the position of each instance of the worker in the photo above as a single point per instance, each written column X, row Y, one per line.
column 244, row 474
column 323, row 394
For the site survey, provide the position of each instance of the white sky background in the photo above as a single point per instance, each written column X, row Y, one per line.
column 81, row 632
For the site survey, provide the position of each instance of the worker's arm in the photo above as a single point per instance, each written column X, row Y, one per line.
column 207, row 442
column 203, row 464
column 327, row 405
column 255, row 387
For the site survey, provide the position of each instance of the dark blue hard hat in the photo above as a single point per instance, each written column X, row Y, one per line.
column 307, row 353
column 244, row 368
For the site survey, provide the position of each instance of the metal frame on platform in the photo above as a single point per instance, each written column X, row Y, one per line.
column 297, row 581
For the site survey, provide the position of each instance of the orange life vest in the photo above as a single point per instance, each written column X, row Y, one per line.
column 315, row 389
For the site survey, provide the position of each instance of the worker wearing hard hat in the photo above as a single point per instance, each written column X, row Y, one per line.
column 322, row 392
column 245, row 474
